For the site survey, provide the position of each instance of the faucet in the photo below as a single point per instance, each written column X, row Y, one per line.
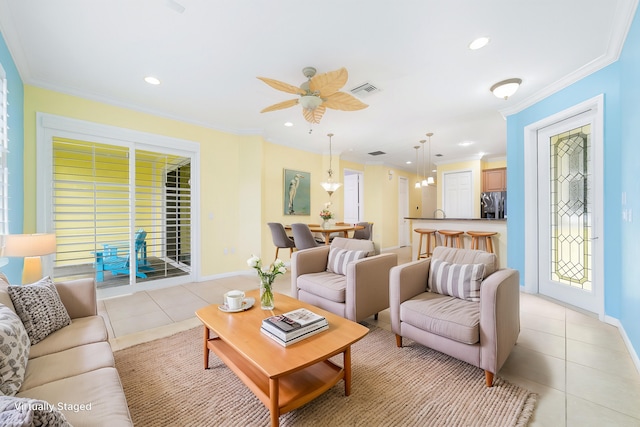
column 435, row 213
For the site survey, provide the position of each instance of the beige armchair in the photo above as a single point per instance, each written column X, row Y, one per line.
column 482, row 332
column 363, row 289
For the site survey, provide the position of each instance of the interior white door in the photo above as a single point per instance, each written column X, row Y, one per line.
column 458, row 194
column 567, row 227
column 352, row 198
column 404, row 238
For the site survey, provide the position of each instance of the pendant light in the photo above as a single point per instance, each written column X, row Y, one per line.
column 424, row 170
column 417, row 147
column 430, row 180
column 330, row 186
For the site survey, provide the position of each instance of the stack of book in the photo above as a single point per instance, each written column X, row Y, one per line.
column 291, row 327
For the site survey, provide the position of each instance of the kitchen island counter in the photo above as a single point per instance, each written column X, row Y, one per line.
column 498, row 225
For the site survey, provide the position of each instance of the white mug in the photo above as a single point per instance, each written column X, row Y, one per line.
column 234, row 299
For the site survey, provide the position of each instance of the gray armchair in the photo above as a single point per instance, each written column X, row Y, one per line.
column 481, row 333
column 363, row 289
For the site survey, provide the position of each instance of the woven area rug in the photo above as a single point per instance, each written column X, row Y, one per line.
column 166, row 385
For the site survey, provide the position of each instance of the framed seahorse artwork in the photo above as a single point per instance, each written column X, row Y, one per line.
column 297, row 192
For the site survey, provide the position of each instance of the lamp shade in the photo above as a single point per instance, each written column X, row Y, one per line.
column 310, row 102
column 27, row 245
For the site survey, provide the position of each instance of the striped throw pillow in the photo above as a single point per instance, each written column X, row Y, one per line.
column 456, row 280
column 339, row 258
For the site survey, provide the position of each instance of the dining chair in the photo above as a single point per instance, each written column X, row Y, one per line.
column 318, row 236
column 280, row 238
column 366, row 233
column 303, row 237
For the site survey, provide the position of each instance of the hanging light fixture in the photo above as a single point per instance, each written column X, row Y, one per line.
column 330, row 186
column 424, row 167
column 430, row 180
column 417, row 147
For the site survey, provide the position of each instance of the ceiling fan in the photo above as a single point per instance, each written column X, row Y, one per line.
column 318, row 93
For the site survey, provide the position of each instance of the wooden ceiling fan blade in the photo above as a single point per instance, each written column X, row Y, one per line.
column 314, row 116
column 327, row 84
column 285, row 87
column 281, row 105
column 344, row 101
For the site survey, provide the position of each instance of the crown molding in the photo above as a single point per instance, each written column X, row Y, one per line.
column 624, row 18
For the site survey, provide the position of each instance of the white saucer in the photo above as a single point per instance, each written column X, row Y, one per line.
column 246, row 305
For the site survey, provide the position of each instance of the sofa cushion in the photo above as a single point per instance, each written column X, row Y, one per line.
column 324, row 284
column 456, row 280
column 21, row 411
column 14, row 351
column 93, row 399
column 84, row 330
column 339, row 258
column 449, row 317
column 40, row 308
column 67, row 363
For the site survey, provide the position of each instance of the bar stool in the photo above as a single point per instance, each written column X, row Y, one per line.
column 429, row 233
column 477, row 235
column 449, row 236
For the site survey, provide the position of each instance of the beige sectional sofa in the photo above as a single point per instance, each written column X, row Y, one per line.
column 73, row 368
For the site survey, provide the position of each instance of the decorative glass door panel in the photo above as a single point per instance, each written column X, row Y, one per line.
column 570, row 208
column 566, row 219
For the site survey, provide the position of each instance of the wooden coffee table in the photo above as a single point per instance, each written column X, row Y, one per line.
column 283, row 378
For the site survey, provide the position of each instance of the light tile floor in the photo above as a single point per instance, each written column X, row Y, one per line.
column 579, row 366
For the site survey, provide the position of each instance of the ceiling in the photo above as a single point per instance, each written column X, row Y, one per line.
column 207, row 55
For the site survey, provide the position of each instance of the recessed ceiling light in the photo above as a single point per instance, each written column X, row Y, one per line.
column 152, row 80
column 408, row 162
column 288, row 124
column 479, row 43
column 465, row 143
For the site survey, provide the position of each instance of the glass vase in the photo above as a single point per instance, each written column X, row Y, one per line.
column 266, row 295
column 325, row 224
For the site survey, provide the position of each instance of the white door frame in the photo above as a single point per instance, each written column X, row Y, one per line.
column 360, row 201
column 531, row 276
column 49, row 126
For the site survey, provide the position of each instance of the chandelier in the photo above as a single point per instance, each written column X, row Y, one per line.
column 330, row 186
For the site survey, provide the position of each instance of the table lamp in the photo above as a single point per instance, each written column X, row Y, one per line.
column 31, row 247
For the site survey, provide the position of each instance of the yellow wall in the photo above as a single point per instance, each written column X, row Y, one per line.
column 241, row 180
column 494, row 164
column 230, row 218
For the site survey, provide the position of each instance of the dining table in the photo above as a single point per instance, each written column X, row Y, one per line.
column 332, row 228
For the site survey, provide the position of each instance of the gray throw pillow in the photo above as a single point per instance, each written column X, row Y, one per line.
column 339, row 258
column 456, row 280
column 14, row 351
column 40, row 308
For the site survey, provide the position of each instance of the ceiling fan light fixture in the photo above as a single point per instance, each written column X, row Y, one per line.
column 310, row 102
column 506, row 88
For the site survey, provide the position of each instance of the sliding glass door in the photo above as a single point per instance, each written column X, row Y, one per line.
column 114, row 216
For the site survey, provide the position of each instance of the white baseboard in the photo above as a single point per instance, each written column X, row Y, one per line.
column 632, row 352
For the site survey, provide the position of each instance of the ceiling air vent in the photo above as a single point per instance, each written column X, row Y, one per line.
column 364, row 89
column 376, row 153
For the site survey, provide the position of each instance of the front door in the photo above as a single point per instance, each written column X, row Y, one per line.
column 567, row 229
